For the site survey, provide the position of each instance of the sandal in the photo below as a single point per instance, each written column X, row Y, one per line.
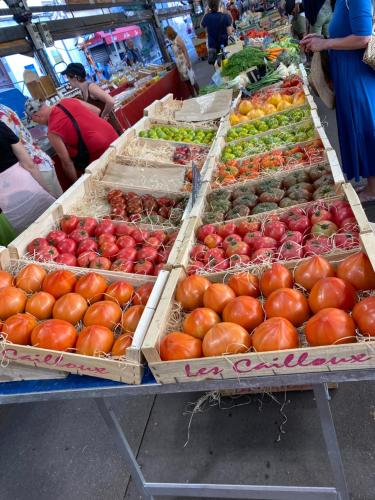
column 366, row 198
column 359, row 188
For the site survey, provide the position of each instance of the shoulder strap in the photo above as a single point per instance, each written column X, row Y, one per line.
column 74, row 122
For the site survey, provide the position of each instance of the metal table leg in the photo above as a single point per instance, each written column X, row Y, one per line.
column 123, row 446
column 329, row 432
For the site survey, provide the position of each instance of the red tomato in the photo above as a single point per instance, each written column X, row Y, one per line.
column 226, row 338
column 30, row 278
column 6, row 279
column 88, row 224
column 147, row 253
column 194, row 267
column 346, row 241
column 216, row 254
column 332, row 292
column 245, row 227
column 227, row 229
column 205, row 230
column 299, row 223
column 216, row 265
column 69, row 223
column 198, row 322
column 106, row 238
column 91, row 287
column 109, row 250
column 290, row 250
column 100, row 263
column 12, row 301
column 278, row 276
column 244, row 311
column 40, row 305
column 125, row 266
column 70, row 307
column 249, row 238
column 144, row 267
column 85, row 258
column 358, row 271
column 289, row 304
column 54, row 334
column 330, row 326
column 123, row 229
column 160, row 235
column 291, row 213
column 120, row 292
column 17, row 328
column 55, row 237
column 121, row 344
column 275, row 230
column 263, row 242
column 104, row 313
column 126, row 241
column 87, row 245
column 262, row 255
column 47, row 253
column 230, row 240
column 349, row 224
column 199, row 252
column 127, row 254
column 105, row 227
column 190, row 292
column 59, row 283
column 217, row 296
column 142, row 294
column 213, row 240
column 153, row 242
column 79, row 235
column 140, row 235
column 295, row 236
column 131, row 318
column 364, row 316
column 67, row 259
column 95, row 340
column 320, row 214
column 239, row 260
column 237, row 248
column 341, row 212
column 163, row 255
column 309, row 272
column 275, row 334
column 317, row 246
column 244, row 284
column 67, row 246
column 177, row 345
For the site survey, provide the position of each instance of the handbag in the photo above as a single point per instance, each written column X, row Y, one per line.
column 369, row 55
column 319, row 78
column 82, row 158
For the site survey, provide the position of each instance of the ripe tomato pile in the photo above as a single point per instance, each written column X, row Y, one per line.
column 294, row 234
column 85, row 242
column 264, row 313
column 145, row 208
column 47, row 310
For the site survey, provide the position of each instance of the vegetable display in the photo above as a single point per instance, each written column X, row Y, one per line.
column 243, row 60
column 177, row 134
column 268, row 194
column 86, row 242
column 317, row 229
column 261, row 144
column 240, row 320
column 61, row 311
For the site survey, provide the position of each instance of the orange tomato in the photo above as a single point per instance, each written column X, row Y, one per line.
column 121, row 344
column 120, row 292
column 177, row 345
column 95, row 340
column 330, row 326
column 12, row 301
column 131, row 317
column 6, row 279
column 275, row 334
column 71, row 307
column 217, row 296
column 30, row 278
column 311, row 271
column 54, row 334
column 278, row 276
column 58, row 283
column 364, row 315
column 142, row 294
column 91, row 287
column 18, row 328
column 244, row 284
column 190, row 291
column 358, row 271
column 289, row 304
column 332, row 292
column 40, row 305
column 244, row 311
column 226, row 338
column 104, row 313
column 198, row 322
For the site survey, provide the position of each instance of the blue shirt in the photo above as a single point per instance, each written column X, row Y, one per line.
column 216, row 25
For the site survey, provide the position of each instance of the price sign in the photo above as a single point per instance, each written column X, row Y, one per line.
column 197, row 182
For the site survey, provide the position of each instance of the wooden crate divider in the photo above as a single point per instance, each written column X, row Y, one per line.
column 359, row 355
column 101, row 163
column 154, row 109
column 337, row 173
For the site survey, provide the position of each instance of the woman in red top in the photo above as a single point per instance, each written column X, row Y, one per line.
column 96, row 133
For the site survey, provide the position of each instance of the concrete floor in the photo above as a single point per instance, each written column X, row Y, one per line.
column 62, row 450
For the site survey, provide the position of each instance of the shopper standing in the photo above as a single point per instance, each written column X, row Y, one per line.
column 23, row 190
column 319, row 15
column 75, row 131
column 232, row 9
column 92, row 93
column 354, row 83
column 39, row 157
column 218, row 26
column 182, row 60
column 296, row 13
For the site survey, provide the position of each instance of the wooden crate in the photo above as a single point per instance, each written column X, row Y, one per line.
column 128, row 370
column 305, row 359
column 102, row 162
column 347, row 193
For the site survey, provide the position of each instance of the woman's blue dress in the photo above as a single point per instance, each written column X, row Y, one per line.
column 354, row 83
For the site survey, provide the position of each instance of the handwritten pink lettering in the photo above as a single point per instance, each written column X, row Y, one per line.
column 202, row 371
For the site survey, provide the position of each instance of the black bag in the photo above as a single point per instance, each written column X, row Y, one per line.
column 82, row 158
